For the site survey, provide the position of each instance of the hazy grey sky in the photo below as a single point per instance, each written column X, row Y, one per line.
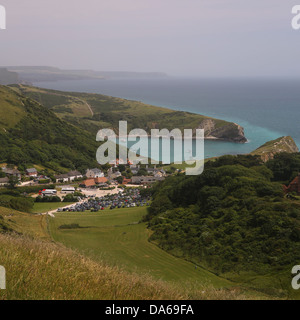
column 186, row 37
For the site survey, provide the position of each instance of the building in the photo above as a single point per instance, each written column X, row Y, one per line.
column 68, row 177
column 94, row 173
column 89, row 183
column 94, row 183
column 62, row 178
column 101, row 181
column 146, row 179
column 134, row 169
column 160, row 173
column 113, row 175
column 126, row 181
column 31, row 172
column 294, row 186
column 4, row 181
column 12, row 172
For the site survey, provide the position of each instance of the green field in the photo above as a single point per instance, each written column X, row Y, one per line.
column 43, row 207
column 117, row 238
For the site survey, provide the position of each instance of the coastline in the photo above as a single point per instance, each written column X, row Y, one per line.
column 211, row 138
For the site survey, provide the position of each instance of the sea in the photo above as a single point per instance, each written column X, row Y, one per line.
column 266, row 108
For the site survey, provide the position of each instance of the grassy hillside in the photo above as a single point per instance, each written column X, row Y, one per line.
column 232, row 220
column 95, row 111
column 268, row 150
column 24, row 223
column 11, row 109
column 117, row 238
column 32, row 264
column 33, row 134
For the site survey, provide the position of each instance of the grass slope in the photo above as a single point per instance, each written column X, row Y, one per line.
column 270, row 148
column 94, row 111
column 39, row 269
column 117, row 238
column 32, row 134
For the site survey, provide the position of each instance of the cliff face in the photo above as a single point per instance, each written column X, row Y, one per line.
column 269, row 149
column 227, row 132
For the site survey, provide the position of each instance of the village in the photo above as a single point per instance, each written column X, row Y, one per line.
column 93, row 183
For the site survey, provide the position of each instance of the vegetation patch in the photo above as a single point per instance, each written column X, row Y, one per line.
column 70, row 226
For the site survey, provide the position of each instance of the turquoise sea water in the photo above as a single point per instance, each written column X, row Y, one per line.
column 267, row 109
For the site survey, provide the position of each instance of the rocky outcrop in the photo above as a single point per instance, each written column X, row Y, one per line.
column 271, row 148
column 226, row 131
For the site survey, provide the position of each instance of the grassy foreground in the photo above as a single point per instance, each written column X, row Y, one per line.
column 37, row 268
column 117, row 237
column 42, row 270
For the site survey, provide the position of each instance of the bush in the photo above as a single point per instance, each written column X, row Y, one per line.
column 69, row 226
column 48, row 199
column 17, row 203
column 42, row 181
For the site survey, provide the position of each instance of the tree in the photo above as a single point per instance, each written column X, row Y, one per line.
column 120, row 179
column 122, row 167
column 142, row 172
column 2, row 174
column 13, row 181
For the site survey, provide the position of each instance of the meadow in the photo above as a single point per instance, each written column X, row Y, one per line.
column 42, row 207
column 117, row 237
column 38, row 268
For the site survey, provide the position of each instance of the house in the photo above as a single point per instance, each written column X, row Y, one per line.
column 4, row 181
column 135, row 169
column 31, row 172
column 294, row 186
column 62, row 178
column 160, row 173
column 68, row 177
column 126, row 181
column 89, row 183
column 94, row 173
column 113, row 175
column 146, row 179
column 12, row 172
column 74, row 175
column 100, row 181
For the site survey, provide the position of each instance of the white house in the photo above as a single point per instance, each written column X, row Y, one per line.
column 68, row 177
column 4, row 181
column 94, row 173
column 31, row 172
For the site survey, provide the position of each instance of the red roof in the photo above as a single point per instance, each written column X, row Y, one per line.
column 100, row 180
column 89, row 182
column 294, row 186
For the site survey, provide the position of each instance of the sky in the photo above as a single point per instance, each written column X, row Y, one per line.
column 198, row 38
